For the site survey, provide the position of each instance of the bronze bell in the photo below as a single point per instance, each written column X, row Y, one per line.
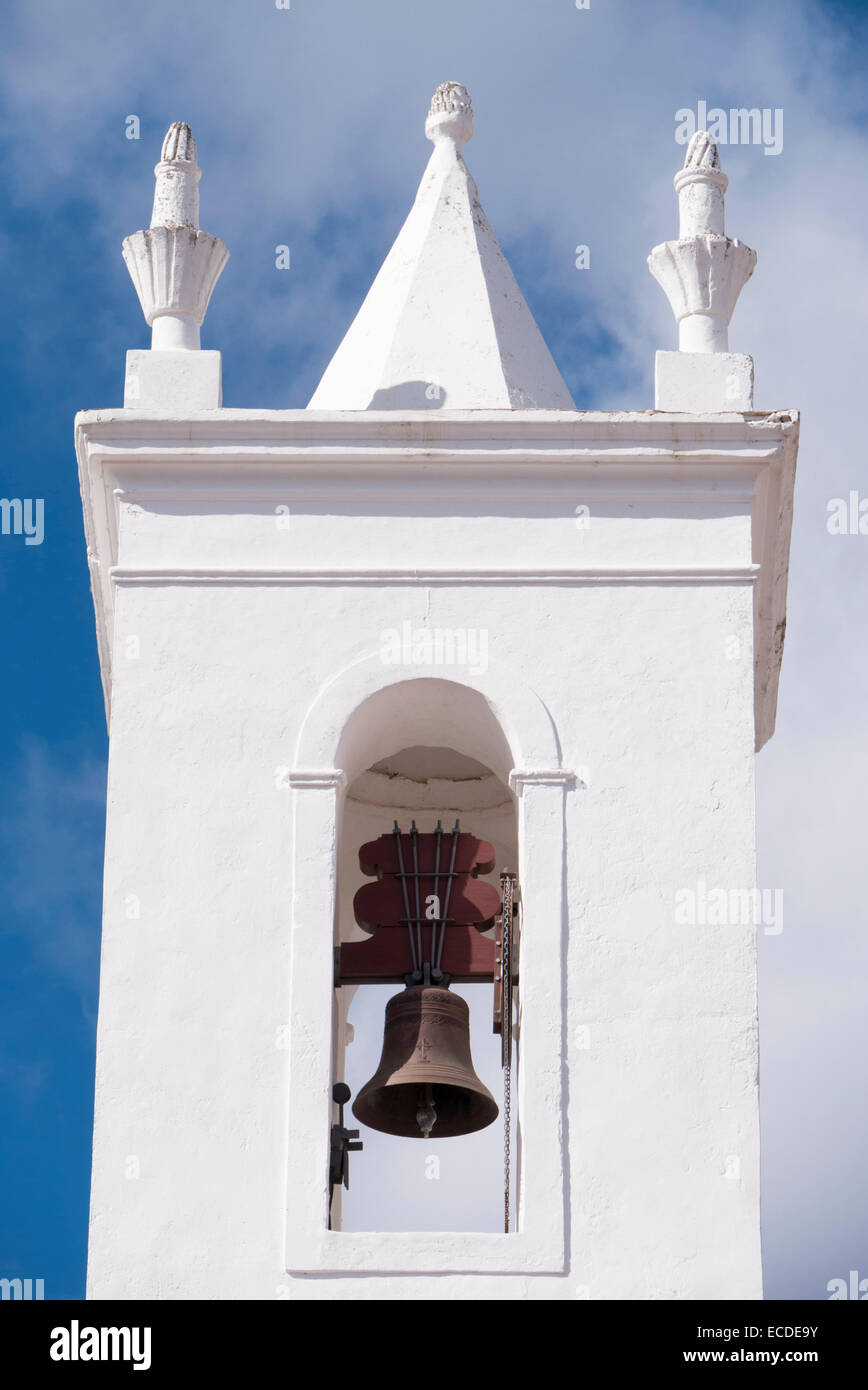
column 425, row 1083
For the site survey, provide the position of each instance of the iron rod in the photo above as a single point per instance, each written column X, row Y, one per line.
column 413, row 956
column 438, row 837
column 414, row 836
column 455, row 834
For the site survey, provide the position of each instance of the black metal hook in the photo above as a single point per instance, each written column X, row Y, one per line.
column 342, row 1144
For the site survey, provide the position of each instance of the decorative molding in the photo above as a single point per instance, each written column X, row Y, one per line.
column 704, row 275
column 450, row 115
column 317, row 780
column 451, row 98
column 176, row 180
column 472, row 434
column 541, row 777
column 590, row 574
column 560, row 492
column 174, row 270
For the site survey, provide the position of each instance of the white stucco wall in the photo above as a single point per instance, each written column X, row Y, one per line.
column 214, row 671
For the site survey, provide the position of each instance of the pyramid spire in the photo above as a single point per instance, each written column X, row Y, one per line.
column 444, row 324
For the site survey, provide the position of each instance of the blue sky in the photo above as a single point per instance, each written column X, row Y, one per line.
column 309, row 126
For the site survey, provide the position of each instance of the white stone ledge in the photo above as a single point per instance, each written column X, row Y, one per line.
column 425, row 1252
column 426, row 432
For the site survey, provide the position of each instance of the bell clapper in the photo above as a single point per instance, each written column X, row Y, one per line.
column 426, row 1115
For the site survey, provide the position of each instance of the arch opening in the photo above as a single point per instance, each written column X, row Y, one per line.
column 421, row 750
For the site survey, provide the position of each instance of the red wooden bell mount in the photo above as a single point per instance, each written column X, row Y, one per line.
column 426, row 906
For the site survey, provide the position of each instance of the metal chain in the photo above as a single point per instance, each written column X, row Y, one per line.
column 506, row 1039
column 507, row 1100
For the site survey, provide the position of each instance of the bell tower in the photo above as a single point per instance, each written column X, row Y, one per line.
column 444, row 685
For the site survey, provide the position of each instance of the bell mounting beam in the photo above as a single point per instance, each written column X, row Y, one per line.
column 467, row 957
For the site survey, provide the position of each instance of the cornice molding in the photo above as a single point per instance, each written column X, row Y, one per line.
column 316, row 779
column 734, row 574
column 519, row 779
column 278, row 435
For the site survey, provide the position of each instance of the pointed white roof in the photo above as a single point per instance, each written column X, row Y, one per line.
column 444, row 324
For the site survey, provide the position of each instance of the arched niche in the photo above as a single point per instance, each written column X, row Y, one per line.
column 368, row 713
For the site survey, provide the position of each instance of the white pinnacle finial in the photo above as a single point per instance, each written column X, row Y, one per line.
column 702, row 153
column 700, row 186
column 704, row 271
column 450, row 115
column 173, row 265
column 176, row 196
column 179, row 144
